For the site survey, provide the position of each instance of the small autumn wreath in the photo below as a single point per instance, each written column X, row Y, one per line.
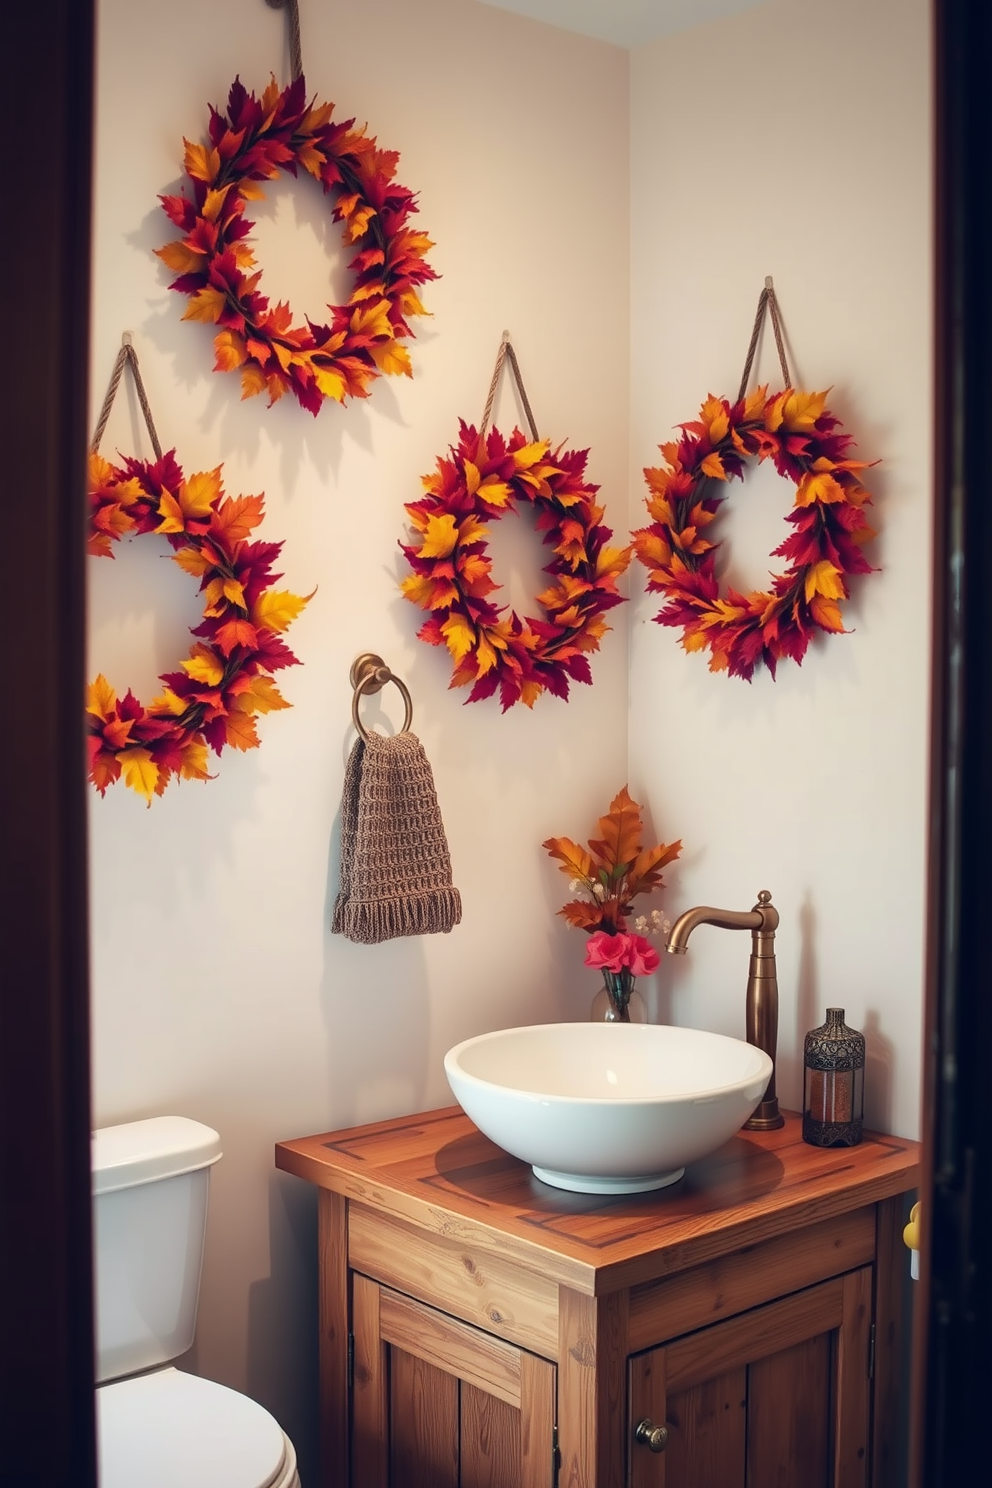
column 253, row 142
column 227, row 678
column 808, row 446
column 485, row 477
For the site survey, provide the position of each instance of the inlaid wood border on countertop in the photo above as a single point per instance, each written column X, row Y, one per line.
column 438, row 1172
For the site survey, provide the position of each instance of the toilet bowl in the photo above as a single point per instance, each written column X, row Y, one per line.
column 158, row 1426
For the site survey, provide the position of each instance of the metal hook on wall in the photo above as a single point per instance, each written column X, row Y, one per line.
column 369, row 674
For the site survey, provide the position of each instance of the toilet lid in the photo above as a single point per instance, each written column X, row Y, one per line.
column 174, row 1430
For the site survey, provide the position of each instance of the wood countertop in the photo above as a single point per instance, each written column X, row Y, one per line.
column 438, row 1173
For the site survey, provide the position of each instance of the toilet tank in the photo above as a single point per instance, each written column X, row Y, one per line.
column 150, row 1183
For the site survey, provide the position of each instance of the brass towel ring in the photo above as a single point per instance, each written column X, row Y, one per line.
column 369, row 674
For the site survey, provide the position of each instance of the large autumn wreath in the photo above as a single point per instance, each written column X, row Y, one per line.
column 492, row 647
column 227, row 677
column 807, row 446
column 216, row 268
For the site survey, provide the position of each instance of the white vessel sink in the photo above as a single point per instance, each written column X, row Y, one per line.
column 607, row 1107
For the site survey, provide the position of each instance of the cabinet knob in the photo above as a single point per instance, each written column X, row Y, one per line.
column 655, row 1437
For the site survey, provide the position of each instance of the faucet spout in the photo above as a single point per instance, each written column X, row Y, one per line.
column 761, row 1003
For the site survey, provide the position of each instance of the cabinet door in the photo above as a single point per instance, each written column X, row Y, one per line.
column 775, row 1398
column 437, row 1403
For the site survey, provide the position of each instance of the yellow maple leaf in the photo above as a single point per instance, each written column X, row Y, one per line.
column 200, row 162
column 818, row 487
column 392, row 359
column 193, row 761
column 139, row 771
column 276, row 610
column 419, row 588
column 494, row 491
column 802, row 410
column 169, row 702
column 826, row 614
column 440, row 537
column 206, row 305
column 823, row 578
column 714, row 415
column 213, row 203
column 713, row 466
column 253, row 380
column 459, row 636
column 203, row 665
column 198, row 493
column 192, row 561
column 331, row 383
column 101, row 699
column 240, row 731
column 529, row 454
column 180, row 258
column 372, row 320
column 261, row 695
column 230, row 351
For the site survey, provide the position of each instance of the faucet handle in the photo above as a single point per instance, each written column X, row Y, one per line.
column 764, row 897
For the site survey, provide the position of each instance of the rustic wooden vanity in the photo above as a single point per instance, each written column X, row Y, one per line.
column 479, row 1329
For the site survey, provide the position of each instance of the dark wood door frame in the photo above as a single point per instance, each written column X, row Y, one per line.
column 953, row 1357
column 46, row 1361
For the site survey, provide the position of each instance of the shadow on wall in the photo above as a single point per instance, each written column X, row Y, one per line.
column 377, row 1012
column 811, row 1011
column 282, row 1320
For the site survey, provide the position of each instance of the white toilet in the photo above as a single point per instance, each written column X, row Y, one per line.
column 157, row 1426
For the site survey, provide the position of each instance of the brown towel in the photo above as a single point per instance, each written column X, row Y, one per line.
column 395, row 864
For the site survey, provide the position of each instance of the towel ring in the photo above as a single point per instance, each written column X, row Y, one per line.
column 369, row 674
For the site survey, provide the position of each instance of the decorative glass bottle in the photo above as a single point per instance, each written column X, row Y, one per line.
column 834, row 1084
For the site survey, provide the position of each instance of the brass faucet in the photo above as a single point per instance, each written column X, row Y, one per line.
column 761, row 1011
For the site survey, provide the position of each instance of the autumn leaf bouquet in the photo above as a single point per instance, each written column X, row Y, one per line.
column 606, row 876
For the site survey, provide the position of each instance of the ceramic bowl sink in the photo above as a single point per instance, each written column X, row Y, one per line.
column 607, row 1107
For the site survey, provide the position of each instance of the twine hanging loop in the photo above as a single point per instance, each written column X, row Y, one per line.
column 506, row 351
column 292, row 9
column 766, row 301
column 129, row 357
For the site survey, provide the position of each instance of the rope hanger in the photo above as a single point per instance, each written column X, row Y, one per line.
column 766, row 302
column 126, row 356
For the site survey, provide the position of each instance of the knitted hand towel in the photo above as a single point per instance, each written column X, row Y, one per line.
column 395, row 865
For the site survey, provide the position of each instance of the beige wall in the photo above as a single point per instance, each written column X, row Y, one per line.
column 794, row 141
column 218, row 991
column 786, row 145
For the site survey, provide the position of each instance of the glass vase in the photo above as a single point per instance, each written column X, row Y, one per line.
column 618, row 1000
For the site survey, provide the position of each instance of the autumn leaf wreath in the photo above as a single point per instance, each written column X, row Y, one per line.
column 492, row 647
column 227, row 678
column 216, row 268
column 807, row 445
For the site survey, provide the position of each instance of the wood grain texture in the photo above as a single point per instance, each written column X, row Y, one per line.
column 437, row 1172
column 891, row 1340
column 707, row 1440
column 592, row 1353
column 753, row 1275
column 332, row 1303
column 754, row 1335
column 490, row 1441
column 423, row 1425
column 370, row 1397
column 788, row 1417
column 538, row 1416
column 467, row 1353
column 484, row 1289
column 647, row 1394
column 852, row 1389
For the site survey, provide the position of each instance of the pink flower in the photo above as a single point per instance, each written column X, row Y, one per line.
column 614, row 952
column 606, row 951
column 641, row 956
